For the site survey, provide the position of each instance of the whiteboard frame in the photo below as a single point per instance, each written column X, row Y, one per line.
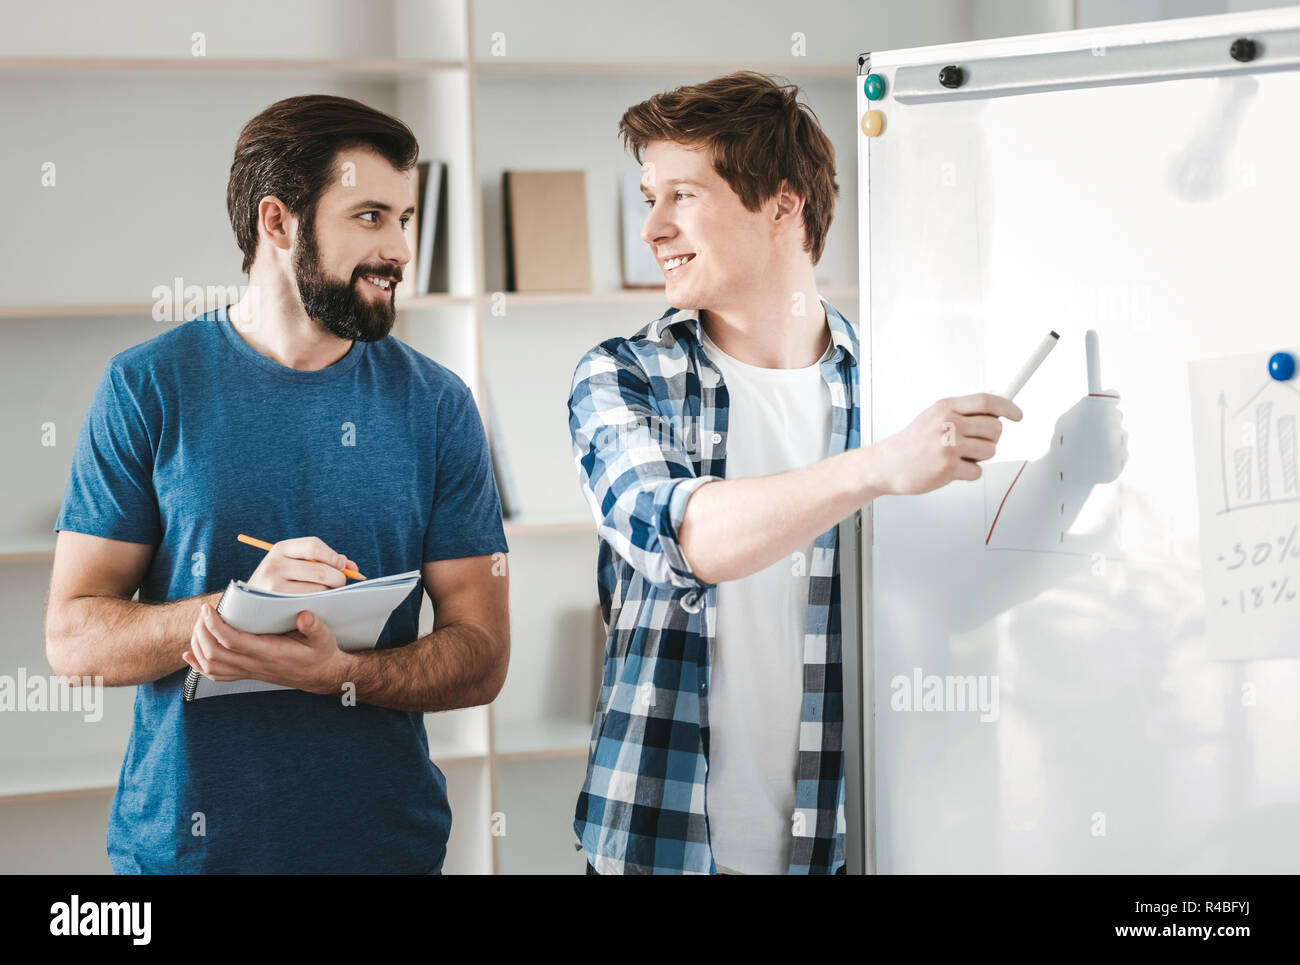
column 1171, row 49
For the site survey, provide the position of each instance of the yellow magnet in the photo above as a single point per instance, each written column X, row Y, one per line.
column 873, row 122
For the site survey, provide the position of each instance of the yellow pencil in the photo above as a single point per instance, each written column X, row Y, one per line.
column 263, row 545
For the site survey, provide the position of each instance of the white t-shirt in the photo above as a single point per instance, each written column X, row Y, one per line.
column 777, row 420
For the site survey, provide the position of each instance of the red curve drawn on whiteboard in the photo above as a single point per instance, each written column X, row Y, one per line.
column 1004, row 502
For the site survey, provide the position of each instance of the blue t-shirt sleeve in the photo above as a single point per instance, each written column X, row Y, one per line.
column 110, row 489
column 466, row 517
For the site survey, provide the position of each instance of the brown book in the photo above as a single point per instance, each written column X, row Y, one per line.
column 546, row 231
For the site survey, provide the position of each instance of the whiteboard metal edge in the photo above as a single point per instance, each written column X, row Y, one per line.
column 1158, row 31
column 855, row 570
column 1084, row 67
column 859, row 763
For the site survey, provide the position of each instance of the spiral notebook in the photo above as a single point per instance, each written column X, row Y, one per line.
column 357, row 613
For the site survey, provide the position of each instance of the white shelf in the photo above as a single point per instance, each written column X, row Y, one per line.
column 631, row 296
column 68, row 776
column 137, row 309
column 397, row 66
column 452, row 751
column 23, row 553
column 100, row 778
column 624, row 296
column 82, row 310
column 435, row 300
column 32, row 791
column 541, row 738
column 619, row 296
column 525, row 526
column 380, row 67
column 793, row 68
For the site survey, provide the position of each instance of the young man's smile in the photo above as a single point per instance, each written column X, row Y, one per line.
column 672, row 262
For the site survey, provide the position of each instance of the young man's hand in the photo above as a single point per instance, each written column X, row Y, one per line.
column 308, row 658
column 303, row 565
column 945, row 442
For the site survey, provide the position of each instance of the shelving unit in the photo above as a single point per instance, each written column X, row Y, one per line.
column 142, row 134
column 163, row 124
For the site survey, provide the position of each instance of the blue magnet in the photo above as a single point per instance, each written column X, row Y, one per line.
column 1282, row 366
column 874, row 87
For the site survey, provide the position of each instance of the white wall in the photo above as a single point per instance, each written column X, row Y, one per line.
column 233, row 28
column 687, row 30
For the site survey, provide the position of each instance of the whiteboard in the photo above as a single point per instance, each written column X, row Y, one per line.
column 1060, row 672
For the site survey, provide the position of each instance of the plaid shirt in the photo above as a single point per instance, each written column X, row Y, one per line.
column 648, row 416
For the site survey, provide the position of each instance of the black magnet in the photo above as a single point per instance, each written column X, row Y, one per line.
column 1244, row 49
column 952, row 76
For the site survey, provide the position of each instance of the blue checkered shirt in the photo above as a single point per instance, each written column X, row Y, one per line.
column 648, row 417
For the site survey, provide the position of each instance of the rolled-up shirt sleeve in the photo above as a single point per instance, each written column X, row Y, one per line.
column 633, row 465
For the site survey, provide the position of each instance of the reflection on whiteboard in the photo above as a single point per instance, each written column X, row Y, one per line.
column 1244, row 429
column 1031, row 505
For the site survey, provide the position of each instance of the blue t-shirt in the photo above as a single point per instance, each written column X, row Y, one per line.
column 194, row 437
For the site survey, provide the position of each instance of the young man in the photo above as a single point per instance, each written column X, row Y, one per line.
column 294, row 417
column 719, row 447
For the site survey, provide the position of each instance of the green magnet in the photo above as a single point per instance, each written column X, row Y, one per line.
column 874, row 87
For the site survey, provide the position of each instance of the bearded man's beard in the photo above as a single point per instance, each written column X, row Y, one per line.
column 340, row 307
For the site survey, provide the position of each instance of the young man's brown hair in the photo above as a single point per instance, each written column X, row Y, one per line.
column 759, row 135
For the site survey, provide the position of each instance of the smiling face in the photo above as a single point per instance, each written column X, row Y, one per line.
column 350, row 255
column 711, row 249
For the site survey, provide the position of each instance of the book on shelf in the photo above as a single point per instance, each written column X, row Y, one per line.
column 640, row 269
column 433, row 225
column 407, row 286
column 426, row 270
column 547, row 248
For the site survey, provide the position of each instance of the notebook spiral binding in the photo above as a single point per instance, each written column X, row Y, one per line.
column 192, row 676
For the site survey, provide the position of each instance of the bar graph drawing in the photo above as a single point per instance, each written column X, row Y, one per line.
column 1257, row 447
column 1248, row 494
